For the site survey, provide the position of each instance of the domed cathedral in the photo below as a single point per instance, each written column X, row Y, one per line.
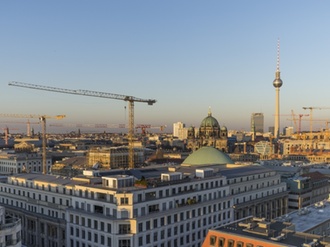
column 209, row 134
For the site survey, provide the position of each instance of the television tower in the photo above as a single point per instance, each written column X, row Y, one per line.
column 277, row 83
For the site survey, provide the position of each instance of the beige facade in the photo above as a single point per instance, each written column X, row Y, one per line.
column 112, row 157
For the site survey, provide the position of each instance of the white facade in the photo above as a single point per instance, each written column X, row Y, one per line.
column 109, row 211
column 11, row 162
column 177, row 127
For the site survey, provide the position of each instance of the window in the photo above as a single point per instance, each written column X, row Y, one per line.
column 124, row 201
column 124, row 228
column 124, row 243
column 240, row 244
column 169, row 232
column 231, row 243
column 222, row 242
column 213, row 240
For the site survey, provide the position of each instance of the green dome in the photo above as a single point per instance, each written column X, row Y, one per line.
column 210, row 121
column 207, row 156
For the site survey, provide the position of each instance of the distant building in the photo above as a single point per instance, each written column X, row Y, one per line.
column 112, row 157
column 257, row 122
column 209, row 134
column 288, row 131
column 70, row 167
column 177, row 127
column 307, row 189
column 180, row 131
column 271, row 129
column 12, row 162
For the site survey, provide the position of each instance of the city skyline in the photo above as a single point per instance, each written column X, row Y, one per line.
column 187, row 55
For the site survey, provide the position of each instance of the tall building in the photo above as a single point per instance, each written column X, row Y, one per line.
column 177, row 127
column 257, row 122
column 277, row 83
column 155, row 206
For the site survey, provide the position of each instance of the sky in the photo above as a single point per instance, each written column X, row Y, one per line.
column 190, row 56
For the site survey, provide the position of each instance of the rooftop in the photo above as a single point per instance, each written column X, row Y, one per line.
column 273, row 231
column 309, row 217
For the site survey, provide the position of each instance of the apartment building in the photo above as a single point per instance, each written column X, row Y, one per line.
column 153, row 206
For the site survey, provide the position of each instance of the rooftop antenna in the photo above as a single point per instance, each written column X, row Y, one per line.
column 278, row 56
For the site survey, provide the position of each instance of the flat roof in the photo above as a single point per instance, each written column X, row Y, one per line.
column 309, row 217
column 273, row 231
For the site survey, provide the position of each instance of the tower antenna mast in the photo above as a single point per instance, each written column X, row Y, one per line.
column 277, row 83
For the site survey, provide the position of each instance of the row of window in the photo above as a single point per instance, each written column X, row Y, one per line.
column 251, row 178
column 35, row 196
column 32, row 208
column 151, row 195
column 221, row 242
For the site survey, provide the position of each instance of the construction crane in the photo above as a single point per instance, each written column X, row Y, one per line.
column 96, row 125
column 298, row 128
column 311, row 108
column 300, row 117
column 6, row 132
column 42, row 119
column 144, row 127
column 129, row 99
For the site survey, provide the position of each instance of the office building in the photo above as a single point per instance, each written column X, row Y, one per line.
column 177, row 129
column 257, row 122
column 152, row 206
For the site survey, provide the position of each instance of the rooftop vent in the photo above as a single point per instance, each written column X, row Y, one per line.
column 119, row 181
column 204, row 172
column 171, row 176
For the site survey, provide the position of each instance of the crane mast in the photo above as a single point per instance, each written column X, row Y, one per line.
column 129, row 99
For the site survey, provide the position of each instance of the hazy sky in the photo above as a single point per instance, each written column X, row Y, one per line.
column 188, row 55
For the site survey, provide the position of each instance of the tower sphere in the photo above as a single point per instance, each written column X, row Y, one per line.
column 277, row 82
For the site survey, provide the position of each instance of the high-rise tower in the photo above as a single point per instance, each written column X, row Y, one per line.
column 257, row 122
column 277, row 83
